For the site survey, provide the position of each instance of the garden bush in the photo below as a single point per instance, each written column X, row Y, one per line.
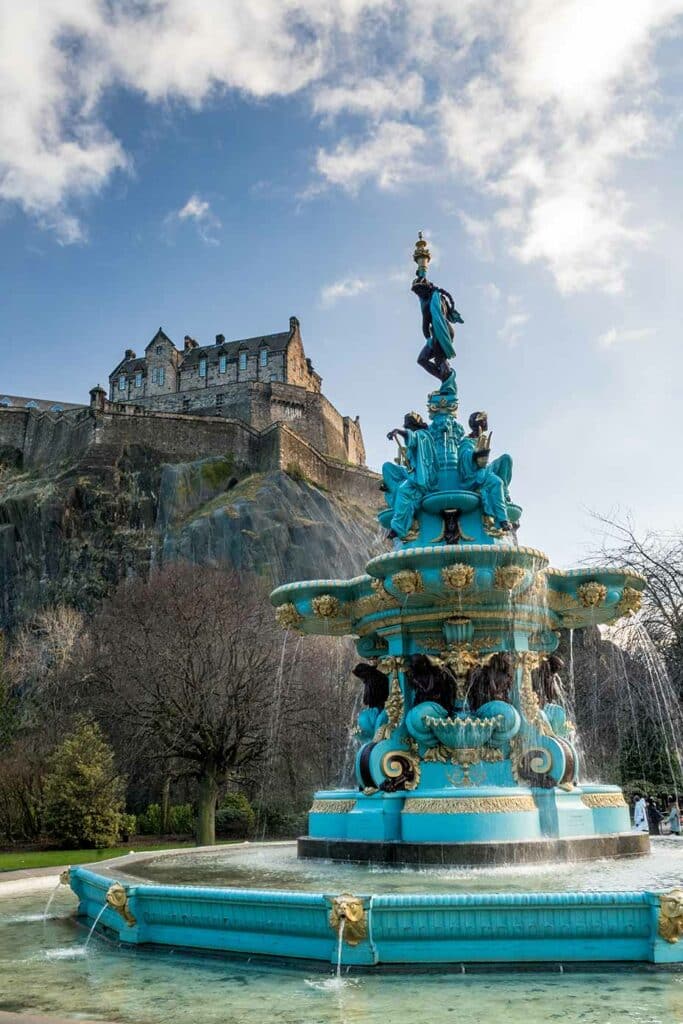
column 235, row 817
column 83, row 801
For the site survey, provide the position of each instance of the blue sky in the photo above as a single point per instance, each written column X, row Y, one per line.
column 216, row 167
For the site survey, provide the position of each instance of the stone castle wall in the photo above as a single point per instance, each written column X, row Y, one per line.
column 95, row 439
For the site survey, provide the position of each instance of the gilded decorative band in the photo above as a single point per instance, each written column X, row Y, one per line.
column 332, row 806
column 603, row 800
column 470, row 805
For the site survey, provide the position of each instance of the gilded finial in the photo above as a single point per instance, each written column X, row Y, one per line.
column 421, row 255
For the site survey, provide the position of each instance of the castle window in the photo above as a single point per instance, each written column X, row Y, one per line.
column 186, row 404
column 56, row 408
column 202, row 367
column 222, row 363
column 31, row 405
column 158, row 350
column 138, row 379
column 122, row 383
column 219, row 400
column 263, row 357
column 6, row 402
column 155, row 376
column 243, row 361
column 162, row 374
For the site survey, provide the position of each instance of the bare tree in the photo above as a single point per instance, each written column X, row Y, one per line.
column 182, row 666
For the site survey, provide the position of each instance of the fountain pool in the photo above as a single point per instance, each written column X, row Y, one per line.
column 262, row 900
column 43, row 970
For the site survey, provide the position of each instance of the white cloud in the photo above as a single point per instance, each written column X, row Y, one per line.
column 373, row 97
column 347, row 288
column 614, row 337
column 562, row 102
column 480, row 233
column 198, row 211
column 387, row 156
column 537, row 104
column 515, row 320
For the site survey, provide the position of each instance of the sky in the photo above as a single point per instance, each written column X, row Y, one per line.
column 213, row 166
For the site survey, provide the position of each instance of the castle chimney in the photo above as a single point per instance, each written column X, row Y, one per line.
column 190, row 343
column 220, row 339
column 129, row 354
column 293, row 324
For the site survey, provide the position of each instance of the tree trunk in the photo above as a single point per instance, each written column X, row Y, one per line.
column 165, row 804
column 207, row 795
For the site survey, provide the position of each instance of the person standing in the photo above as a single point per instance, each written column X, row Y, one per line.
column 674, row 817
column 640, row 813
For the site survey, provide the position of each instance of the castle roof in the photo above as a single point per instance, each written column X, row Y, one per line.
column 275, row 342
column 41, row 404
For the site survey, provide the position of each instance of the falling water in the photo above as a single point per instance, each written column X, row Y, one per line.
column 346, row 777
column 666, row 700
column 340, row 939
column 572, row 682
column 94, row 925
column 49, row 901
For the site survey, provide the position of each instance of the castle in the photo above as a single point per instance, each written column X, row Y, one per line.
column 258, row 398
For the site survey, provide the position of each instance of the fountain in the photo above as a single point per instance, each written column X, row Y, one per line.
column 467, row 757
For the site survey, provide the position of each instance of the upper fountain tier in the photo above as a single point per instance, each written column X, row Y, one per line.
column 454, row 530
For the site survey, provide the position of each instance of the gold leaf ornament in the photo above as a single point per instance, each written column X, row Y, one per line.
column 592, row 594
column 288, row 617
column 458, row 576
column 326, row 606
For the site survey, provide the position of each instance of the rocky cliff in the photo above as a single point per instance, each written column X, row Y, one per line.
column 70, row 535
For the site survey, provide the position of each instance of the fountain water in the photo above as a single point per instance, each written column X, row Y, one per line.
column 467, row 759
column 93, row 927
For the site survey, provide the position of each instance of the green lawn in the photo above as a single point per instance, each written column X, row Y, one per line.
column 53, row 858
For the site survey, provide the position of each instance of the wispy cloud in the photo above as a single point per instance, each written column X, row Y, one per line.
column 624, row 336
column 197, row 211
column 387, row 155
column 346, row 288
column 516, row 318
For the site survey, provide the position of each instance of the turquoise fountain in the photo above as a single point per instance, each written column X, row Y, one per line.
column 467, row 760
column 467, row 752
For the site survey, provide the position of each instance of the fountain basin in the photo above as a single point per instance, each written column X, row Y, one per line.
column 395, row 928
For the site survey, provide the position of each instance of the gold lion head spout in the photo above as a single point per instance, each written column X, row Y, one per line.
column 671, row 915
column 348, row 910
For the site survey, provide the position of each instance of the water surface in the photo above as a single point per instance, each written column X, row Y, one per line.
column 43, row 970
column 277, row 867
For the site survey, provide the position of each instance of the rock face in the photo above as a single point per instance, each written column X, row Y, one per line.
column 72, row 536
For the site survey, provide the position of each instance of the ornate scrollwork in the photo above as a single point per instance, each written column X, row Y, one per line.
column 288, row 617
column 117, row 899
column 408, row 581
column 507, row 577
column 670, row 925
column 65, row 877
column 592, row 594
column 349, row 911
column 529, row 705
column 402, row 771
column 395, row 705
column 458, row 576
column 326, row 606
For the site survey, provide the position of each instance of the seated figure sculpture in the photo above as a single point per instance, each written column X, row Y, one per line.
column 491, row 481
column 408, row 483
column 375, row 684
column 431, row 681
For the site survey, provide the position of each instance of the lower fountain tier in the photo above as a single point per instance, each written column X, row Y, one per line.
column 472, row 825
